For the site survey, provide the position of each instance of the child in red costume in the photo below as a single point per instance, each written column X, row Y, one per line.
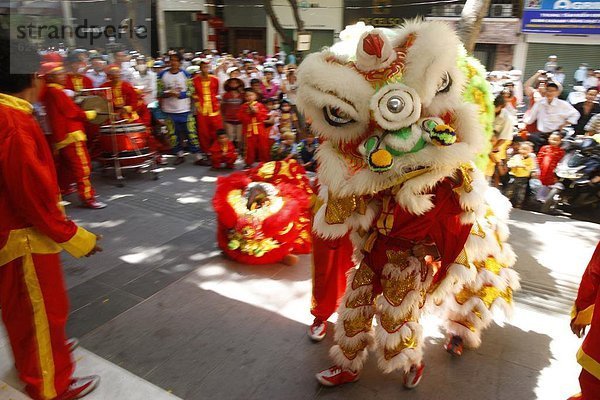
column 548, row 158
column 208, row 117
column 586, row 311
column 252, row 114
column 222, row 151
column 68, row 137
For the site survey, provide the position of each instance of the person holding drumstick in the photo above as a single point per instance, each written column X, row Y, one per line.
column 68, row 136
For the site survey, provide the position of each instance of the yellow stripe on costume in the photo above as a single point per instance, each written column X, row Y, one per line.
column 42, row 330
column 72, row 137
column 588, row 363
column 80, row 150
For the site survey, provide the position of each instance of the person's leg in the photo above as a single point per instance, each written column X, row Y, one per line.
column 175, row 133
column 217, row 160
column 34, row 310
column 230, row 160
column 77, row 160
column 264, row 151
column 520, row 191
column 237, row 129
column 404, row 281
column 353, row 331
column 590, row 385
column 250, row 150
column 332, row 258
column 203, row 131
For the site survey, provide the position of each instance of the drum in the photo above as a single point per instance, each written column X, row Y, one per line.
column 129, row 138
column 95, row 103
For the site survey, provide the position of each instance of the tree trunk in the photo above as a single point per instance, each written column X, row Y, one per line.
column 299, row 22
column 276, row 24
column 470, row 21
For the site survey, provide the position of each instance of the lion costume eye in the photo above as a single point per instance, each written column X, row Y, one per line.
column 336, row 117
column 445, row 83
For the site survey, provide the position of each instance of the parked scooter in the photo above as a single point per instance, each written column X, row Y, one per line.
column 579, row 176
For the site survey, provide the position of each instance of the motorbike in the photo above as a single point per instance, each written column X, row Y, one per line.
column 578, row 175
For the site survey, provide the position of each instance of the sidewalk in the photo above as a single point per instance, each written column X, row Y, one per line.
column 163, row 304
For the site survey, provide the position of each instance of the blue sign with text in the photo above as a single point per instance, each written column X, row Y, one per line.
column 562, row 16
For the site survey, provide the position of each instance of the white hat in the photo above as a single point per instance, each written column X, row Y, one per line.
column 231, row 69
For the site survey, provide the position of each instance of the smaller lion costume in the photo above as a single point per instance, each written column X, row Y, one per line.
column 263, row 214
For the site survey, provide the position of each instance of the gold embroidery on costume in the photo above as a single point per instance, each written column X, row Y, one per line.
column 391, row 324
column 399, row 258
column 339, row 209
column 363, row 276
column 477, row 230
column 354, row 326
column 487, row 294
column 395, row 290
column 462, row 259
column 351, row 352
column 364, row 299
column 407, row 343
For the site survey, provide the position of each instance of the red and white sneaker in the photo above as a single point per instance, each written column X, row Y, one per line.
column 454, row 345
column 72, row 344
column 413, row 377
column 80, row 387
column 317, row 330
column 336, row 376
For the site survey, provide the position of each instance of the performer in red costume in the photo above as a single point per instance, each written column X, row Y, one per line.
column 585, row 313
column 223, row 151
column 33, row 232
column 208, row 116
column 68, row 137
column 76, row 80
column 125, row 99
column 252, row 114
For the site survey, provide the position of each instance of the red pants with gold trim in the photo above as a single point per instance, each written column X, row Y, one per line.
column 73, row 164
column 207, row 127
column 34, row 310
column 257, row 149
column 331, row 261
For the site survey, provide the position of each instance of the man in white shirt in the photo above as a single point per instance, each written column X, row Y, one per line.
column 97, row 74
column 592, row 79
column 175, row 91
column 580, row 74
column 550, row 114
column 145, row 80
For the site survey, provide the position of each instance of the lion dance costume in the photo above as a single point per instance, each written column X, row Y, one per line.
column 263, row 213
column 396, row 169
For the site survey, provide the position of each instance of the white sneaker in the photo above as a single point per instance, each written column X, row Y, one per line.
column 413, row 377
column 317, row 331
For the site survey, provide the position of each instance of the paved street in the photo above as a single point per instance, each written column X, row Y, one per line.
column 161, row 303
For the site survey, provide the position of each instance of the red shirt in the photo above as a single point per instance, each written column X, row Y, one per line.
column 29, row 191
column 231, row 106
column 548, row 158
column 588, row 301
column 64, row 116
column 206, row 92
column 253, row 122
column 217, row 149
column 78, row 82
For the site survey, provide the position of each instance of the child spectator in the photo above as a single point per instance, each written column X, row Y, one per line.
column 253, row 114
column 223, row 151
column 230, row 107
column 287, row 120
column 286, row 148
column 306, row 150
column 256, row 86
column 548, row 158
column 269, row 87
column 520, row 166
column 270, row 128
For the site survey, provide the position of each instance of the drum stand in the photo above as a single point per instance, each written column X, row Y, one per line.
column 142, row 162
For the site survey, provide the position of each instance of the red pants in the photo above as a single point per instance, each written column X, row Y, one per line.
column 332, row 258
column 73, row 164
column 227, row 158
column 257, row 149
column 590, row 386
column 34, row 310
column 207, row 127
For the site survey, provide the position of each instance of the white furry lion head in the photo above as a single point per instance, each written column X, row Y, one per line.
column 387, row 102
